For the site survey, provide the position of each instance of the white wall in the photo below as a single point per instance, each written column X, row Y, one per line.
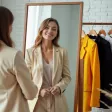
column 97, row 11
column 94, row 11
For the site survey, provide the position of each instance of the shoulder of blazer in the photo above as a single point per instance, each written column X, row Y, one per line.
column 33, row 50
column 8, row 53
column 30, row 50
column 9, row 49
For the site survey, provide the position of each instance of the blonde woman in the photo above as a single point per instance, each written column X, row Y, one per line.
column 47, row 60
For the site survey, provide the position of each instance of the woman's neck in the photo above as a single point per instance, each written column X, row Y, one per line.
column 47, row 45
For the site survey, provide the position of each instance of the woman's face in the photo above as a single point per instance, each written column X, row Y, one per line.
column 50, row 32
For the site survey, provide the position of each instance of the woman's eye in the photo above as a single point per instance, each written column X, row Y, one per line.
column 54, row 29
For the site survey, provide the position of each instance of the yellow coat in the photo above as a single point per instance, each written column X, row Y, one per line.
column 89, row 52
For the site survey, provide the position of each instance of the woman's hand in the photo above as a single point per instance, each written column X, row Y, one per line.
column 44, row 92
column 55, row 90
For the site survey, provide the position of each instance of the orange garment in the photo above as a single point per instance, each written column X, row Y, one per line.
column 91, row 95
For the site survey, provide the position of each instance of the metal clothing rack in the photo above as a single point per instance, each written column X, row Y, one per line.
column 96, row 23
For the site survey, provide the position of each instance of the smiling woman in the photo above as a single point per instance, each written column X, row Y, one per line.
column 51, row 49
column 49, row 30
column 50, row 87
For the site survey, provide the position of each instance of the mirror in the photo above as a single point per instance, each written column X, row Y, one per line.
column 69, row 17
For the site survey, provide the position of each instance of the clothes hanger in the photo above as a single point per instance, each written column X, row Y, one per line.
column 102, row 32
column 83, row 34
column 93, row 32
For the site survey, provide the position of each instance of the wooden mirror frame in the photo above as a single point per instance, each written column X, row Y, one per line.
column 78, row 97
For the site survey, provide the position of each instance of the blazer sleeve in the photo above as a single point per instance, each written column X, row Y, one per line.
column 28, row 61
column 23, row 77
column 66, row 78
column 95, row 68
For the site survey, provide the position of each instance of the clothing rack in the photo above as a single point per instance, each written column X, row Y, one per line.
column 96, row 23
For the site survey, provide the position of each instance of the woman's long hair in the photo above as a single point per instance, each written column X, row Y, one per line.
column 43, row 25
column 6, row 19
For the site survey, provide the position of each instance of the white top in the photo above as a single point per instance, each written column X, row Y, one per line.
column 47, row 74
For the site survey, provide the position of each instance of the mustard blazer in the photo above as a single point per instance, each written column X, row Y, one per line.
column 89, row 53
column 16, row 85
column 61, row 74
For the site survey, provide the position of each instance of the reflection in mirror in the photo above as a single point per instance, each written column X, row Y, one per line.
column 69, row 19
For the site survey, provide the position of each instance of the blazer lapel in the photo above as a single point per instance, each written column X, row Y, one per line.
column 83, row 46
column 38, row 58
column 55, row 61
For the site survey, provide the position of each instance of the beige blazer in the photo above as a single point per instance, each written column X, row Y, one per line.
column 61, row 73
column 15, row 81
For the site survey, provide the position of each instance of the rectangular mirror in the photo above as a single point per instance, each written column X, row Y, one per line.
column 69, row 17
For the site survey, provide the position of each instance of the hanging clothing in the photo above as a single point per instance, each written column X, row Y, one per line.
column 110, row 35
column 91, row 95
column 108, row 38
column 105, row 57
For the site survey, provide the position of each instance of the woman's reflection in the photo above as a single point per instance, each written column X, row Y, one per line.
column 49, row 62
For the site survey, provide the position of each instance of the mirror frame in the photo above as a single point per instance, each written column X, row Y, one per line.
column 78, row 97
